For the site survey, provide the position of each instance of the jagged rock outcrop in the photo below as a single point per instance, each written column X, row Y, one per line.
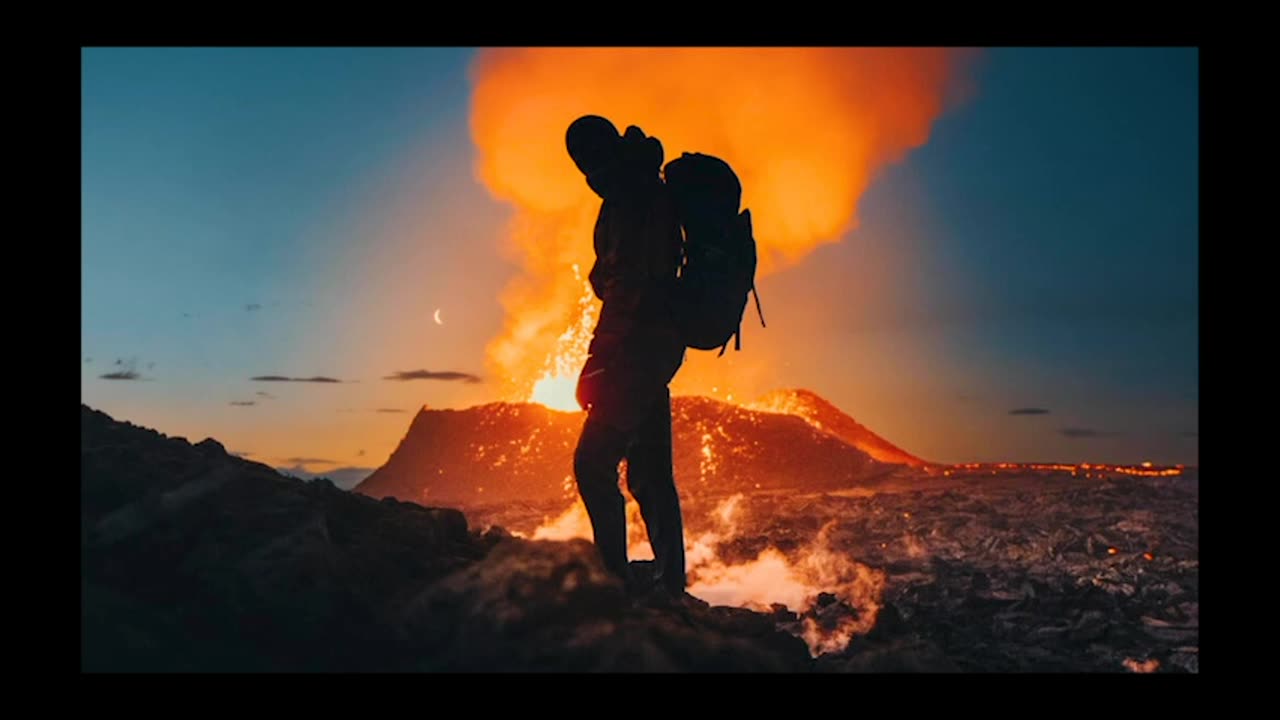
column 194, row 560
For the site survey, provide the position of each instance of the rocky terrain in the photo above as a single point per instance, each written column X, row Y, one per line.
column 1004, row 574
column 194, row 560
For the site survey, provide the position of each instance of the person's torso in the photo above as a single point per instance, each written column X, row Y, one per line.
column 638, row 250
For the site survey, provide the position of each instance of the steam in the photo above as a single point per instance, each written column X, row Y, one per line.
column 771, row 578
column 796, row 582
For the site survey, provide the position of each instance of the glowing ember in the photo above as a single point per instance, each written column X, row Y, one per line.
column 1148, row 556
column 707, row 463
column 1144, row 666
column 1112, row 551
column 1097, row 470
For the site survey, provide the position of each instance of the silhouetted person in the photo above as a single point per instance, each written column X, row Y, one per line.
column 635, row 351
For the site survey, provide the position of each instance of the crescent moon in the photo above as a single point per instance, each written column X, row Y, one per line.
column 437, row 317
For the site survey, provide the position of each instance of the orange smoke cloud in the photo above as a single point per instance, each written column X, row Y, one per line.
column 806, row 129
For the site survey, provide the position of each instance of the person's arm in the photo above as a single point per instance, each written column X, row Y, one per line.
column 626, row 277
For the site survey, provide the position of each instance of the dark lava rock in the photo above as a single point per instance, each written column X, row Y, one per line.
column 889, row 624
column 194, row 560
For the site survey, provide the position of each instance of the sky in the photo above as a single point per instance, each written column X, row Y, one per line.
column 1023, row 286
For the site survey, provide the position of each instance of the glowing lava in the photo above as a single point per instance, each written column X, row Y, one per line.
column 557, row 386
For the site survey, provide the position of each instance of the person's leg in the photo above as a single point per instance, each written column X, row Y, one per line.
column 595, row 465
column 651, row 478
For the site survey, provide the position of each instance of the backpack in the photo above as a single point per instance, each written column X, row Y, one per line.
column 719, row 264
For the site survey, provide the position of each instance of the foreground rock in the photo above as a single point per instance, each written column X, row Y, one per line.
column 550, row 606
column 194, row 560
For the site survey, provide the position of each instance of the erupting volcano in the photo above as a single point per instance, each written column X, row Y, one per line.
column 521, row 452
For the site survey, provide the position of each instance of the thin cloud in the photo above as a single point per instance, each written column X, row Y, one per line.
column 1029, row 411
column 284, row 378
column 1085, row 433
column 88, row 360
column 128, row 370
column 265, row 394
column 121, row 375
column 243, row 403
column 252, row 307
column 308, row 461
column 389, row 410
column 241, row 453
column 403, row 375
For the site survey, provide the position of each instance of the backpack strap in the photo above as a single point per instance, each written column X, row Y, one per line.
column 737, row 342
column 756, row 294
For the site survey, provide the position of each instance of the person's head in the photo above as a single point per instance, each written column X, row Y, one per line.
column 612, row 163
column 593, row 143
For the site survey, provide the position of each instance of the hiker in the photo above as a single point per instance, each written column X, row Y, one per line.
column 635, row 351
column 675, row 260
